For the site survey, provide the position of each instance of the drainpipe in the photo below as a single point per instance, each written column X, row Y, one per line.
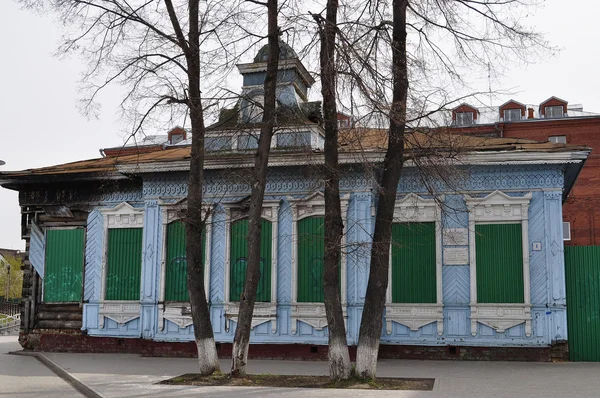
column 499, row 130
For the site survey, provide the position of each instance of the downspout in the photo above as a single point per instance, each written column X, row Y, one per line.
column 499, row 130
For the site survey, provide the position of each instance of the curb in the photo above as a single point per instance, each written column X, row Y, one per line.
column 80, row 386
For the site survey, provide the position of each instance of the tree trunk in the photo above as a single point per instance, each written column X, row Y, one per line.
column 241, row 343
column 339, row 357
column 196, row 222
column 371, row 324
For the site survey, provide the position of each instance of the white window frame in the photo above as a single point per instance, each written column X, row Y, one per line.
column 121, row 311
column 459, row 119
column 506, row 112
column 499, row 208
column 313, row 314
column 567, row 238
column 551, row 109
column 263, row 311
column 180, row 312
column 558, row 139
column 413, row 208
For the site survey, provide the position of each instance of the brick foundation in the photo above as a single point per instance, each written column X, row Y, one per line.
column 75, row 341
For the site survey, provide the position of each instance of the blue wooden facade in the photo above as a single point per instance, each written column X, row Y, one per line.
column 543, row 183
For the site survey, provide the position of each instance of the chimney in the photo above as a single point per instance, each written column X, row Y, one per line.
column 529, row 113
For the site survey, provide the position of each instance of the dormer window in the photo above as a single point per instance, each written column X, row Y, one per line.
column 464, row 118
column 175, row 138
column 555, row 111
column 512, row 115
column 293, row 139
column 553, row 108
column 176, row 135
column 247, row 141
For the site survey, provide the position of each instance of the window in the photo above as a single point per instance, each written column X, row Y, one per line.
column 566, row 231
column 554, row 111
column 238, row 260
column 311, row 251
column 293, row 139
column 221, row 143
column 499, row 262
column 247, row 141
column 512, row 115
column 175, row 138
column 124, row 264
column 64, row 265
column 413, row 263
column 464, row 118
column 558, row 139
column 255, row 110
column 499, row 256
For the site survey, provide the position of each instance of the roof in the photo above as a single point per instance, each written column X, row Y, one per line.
column 350, row 140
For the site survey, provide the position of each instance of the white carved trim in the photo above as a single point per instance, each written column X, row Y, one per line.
column 121, row 216
column 312, row 314
column 497, row 208
column 263, row 312
column 501, row 317
column 413, row 208
column 414, row 316
column 119, row 311
column 178, row 313
column 172, row 213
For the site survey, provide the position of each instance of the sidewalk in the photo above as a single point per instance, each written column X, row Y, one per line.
column 128, row 375
column 125, row 375
column 26, row 377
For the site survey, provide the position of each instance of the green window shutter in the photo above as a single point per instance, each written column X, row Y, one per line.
column 124, row 264
column 176, row 266
column 311, row 251
column 413, row 263
column 499, row 255
column 63, row 275
column 238, row 253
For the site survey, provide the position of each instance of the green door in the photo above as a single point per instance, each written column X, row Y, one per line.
column 63, row 276
column 311, row 252
column 176, row 265
column 582, row 264
column 124, row 264
column 413, row 263
column 499, row 256
column 238, row 253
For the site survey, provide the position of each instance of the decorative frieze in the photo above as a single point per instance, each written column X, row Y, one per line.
column 414, row 316
column 263, row 312
column 312, row 314
column 119, row 311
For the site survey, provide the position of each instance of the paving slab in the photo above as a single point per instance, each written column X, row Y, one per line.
column 127, row 375
column 23, row 376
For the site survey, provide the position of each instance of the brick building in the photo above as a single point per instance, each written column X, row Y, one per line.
column 557, row 121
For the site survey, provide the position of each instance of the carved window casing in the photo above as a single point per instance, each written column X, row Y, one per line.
column 180, row 313
column 413, row 208
column 263, row 311
column 498, row 208
column 121, row 216
column 313, row 314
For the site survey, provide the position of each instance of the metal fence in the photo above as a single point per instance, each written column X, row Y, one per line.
column 10, row 308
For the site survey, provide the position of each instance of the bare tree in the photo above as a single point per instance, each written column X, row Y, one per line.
column 165, row 54
column 241, row 342
column 339, row 356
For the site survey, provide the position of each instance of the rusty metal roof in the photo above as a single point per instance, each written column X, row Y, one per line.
column 351, row 141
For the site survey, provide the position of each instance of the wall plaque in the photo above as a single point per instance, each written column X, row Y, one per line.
column 456, row 256
column 456, row 236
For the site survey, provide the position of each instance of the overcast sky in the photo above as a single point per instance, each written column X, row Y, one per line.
column 40, row 124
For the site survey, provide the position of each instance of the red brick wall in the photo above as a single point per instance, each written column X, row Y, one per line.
column 62, row 341
column 582, row 208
